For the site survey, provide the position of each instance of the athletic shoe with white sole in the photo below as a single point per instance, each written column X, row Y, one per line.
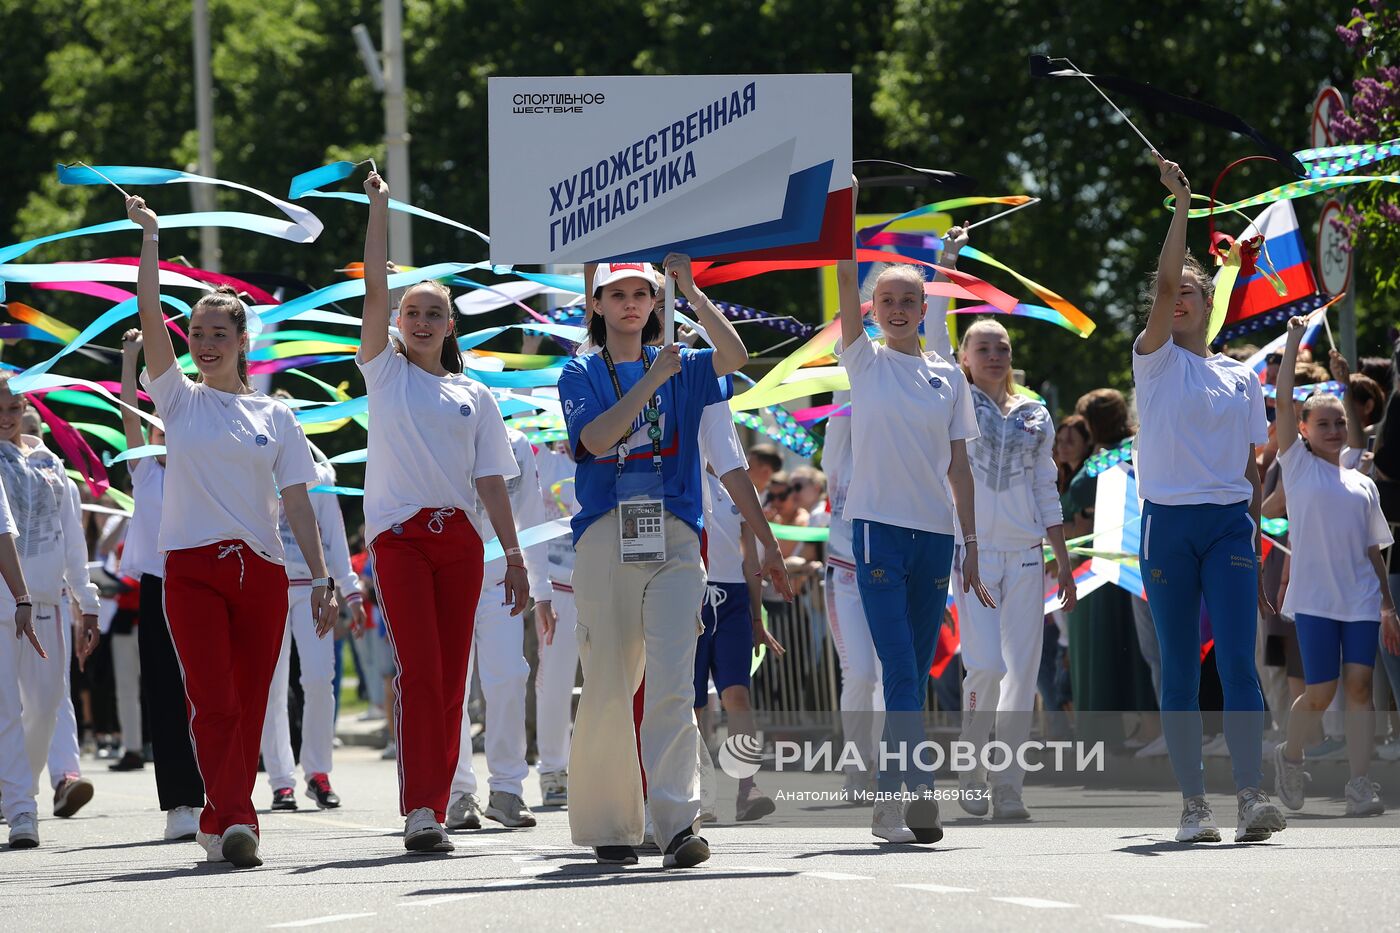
column 181, row 824
column 423, row 833
column 212, row 844
column 508, row 810
column 284, row 798
column 887, row 822
column 921, row 816
column 1289, row 778
column 1157, row 748
column 240, row 846
column 464, row 812
column 390, row 753
column 752, row 805
column 1259, row 819
column 1390, row 751
column 1363, row 797
column 686, row 851
column 1197, row 822
column 1217, row 747
column 974, row 797
column 71, row 795
column 318, row 788
column 24, row 831
column 554, row 788
column 1007, row 805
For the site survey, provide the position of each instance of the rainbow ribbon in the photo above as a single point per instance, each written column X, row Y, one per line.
column 1336, row 160
column 1291, row 191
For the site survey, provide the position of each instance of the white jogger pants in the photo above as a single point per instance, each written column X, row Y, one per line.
column 316, row 656
column 498, row 652
column 1001, row 651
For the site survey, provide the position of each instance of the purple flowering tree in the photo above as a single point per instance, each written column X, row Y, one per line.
column 1372, row 216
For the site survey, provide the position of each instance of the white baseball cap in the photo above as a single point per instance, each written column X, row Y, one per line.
column 609, row 272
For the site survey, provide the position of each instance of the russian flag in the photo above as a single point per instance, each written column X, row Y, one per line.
column 1255, row 302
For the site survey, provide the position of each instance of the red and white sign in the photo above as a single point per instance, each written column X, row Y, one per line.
column 1329, row 103
column 1333, row 258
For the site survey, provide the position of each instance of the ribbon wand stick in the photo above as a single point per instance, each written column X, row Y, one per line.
column 103, row 177
column 987, row 220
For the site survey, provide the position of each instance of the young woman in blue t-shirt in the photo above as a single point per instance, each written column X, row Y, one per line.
column 633, row 414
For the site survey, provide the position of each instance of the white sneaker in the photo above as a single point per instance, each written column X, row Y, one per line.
column 423, row 833
column 372, row 714
column 1390, row 751
column 240, row 846
column 1217, row 747
column 390, row 753
column 1363, row 797
column 888, row 822
column 1259, row 819
column 1007, row 805
column 554, row 788
column 24, row 831
column 1197, row 822
column 1288, row 779
column 1157, row 748
column 975, row 797
column 212, row 844
column 181, row 823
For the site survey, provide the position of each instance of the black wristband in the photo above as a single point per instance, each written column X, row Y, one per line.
column 25, row 602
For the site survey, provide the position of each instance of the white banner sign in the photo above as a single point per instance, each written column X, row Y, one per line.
column 592, row 169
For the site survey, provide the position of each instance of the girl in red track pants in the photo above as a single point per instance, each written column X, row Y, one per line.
column 428, row 570
column 227, row 609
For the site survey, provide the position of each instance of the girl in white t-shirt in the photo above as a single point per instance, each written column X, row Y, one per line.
column 1018, row 508
column 229, row 452
column 437, row 449
column 911, row 418
column 1202, row 417
column 1337, row 595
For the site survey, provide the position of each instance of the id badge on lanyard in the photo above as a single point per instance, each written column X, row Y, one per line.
column 641, row 498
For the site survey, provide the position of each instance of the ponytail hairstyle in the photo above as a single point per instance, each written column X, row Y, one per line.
column 451, row 354
column 225, row 299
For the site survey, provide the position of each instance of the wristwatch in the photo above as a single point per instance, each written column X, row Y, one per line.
column 327, row 582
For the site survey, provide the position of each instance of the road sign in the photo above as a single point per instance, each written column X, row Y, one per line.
column 1334, row 259
column 1329, row 103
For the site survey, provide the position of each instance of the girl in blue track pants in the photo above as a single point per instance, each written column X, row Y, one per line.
column 911, row 416
column 1202, row 415
column 1338, row 597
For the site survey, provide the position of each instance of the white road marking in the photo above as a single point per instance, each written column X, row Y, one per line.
column 1160, row 923
column 1037, row 902
column 937, row 888
column 317, row 921
column 434, row 901
column 834, row 876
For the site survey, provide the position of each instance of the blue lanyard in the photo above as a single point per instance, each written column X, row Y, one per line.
column 652, row 414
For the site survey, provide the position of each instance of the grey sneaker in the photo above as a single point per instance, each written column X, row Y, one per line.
column 24, row 831
column 1007, row 805
column 554, row 788
column 1363, row 797
column 921, row 816
column 1259, row 819
column 423, row 833
column 509, row 810
column 1197, row 822
column 974, row 796
column 1289, row 777
column 888, row 822
column 464, row 813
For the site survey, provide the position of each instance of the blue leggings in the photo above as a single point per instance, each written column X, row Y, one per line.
column 1190, row 552
column 903, row 575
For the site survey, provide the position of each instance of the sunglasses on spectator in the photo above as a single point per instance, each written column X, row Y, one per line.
column 776, row 492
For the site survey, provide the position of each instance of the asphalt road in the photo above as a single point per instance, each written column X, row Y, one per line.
column 346, row 869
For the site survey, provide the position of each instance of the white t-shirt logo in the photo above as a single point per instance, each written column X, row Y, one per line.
column 260, row 440
column 936, row 382
column 465, row 411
